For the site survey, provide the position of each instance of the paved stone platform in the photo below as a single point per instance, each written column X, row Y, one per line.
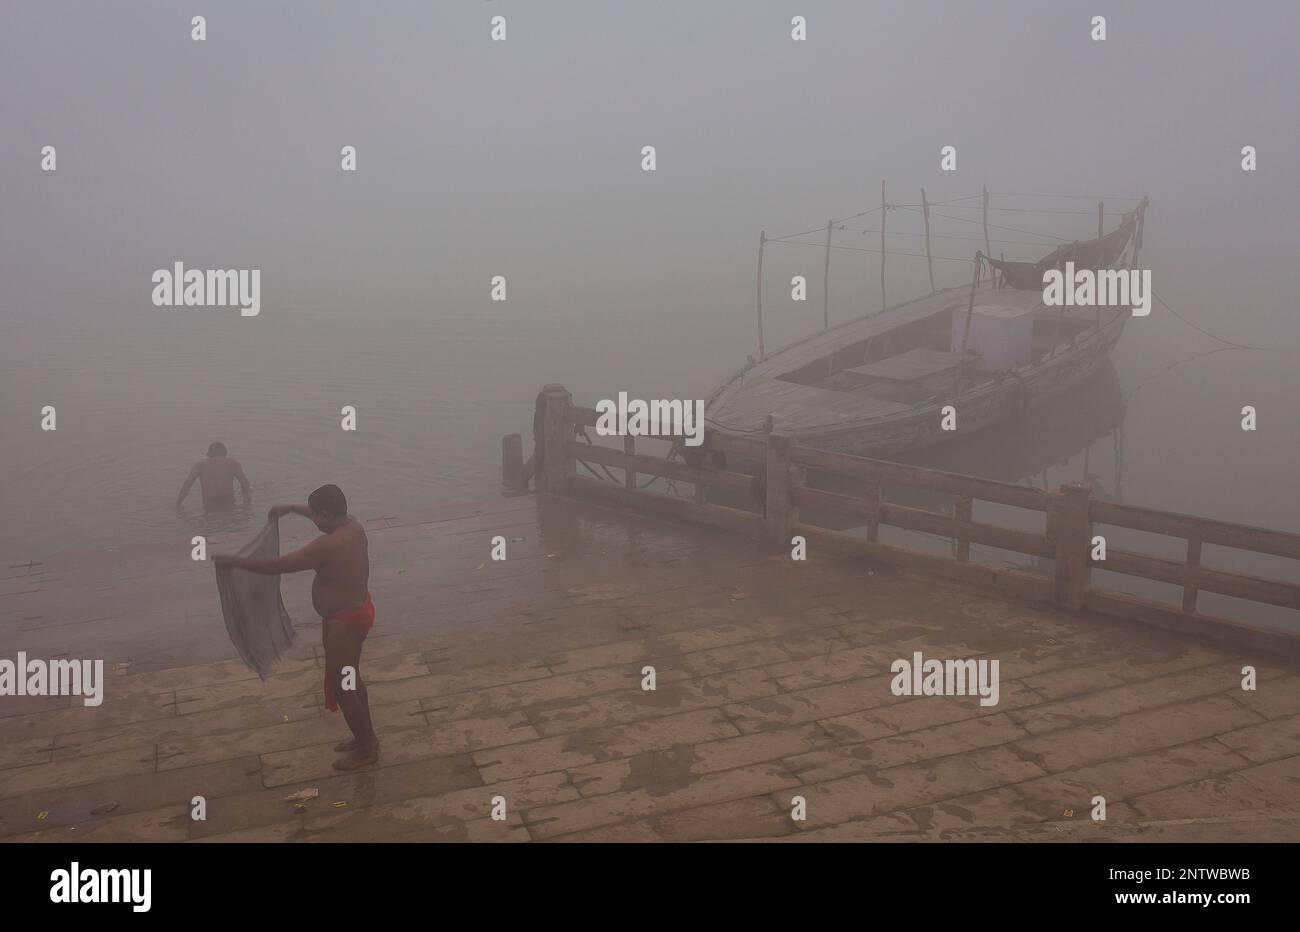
column 522, row 680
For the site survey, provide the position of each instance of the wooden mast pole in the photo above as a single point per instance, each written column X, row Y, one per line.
column 925, row 213
column 965, row 337
column 826, row 280
column 987, row 250
column 883, row 305
column 1137, row 234
column 762, row 241
column 1101, row 252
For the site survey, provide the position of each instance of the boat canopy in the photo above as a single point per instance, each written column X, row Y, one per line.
column 1093, row 254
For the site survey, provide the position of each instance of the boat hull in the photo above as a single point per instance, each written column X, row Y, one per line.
column 977, row 408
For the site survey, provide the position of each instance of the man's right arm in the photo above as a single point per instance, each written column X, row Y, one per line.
column 189, row 481
column 309, row 557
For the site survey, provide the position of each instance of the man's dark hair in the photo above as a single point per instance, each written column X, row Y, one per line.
column 328, row 499
column 217, row 449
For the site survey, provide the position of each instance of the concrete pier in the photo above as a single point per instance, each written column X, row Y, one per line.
column 522, row 680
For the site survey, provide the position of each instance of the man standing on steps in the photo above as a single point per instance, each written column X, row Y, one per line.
column 341, row 596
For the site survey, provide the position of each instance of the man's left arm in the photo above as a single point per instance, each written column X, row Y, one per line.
column 243, row 479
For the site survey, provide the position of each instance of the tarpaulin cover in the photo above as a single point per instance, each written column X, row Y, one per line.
column 259, row 626
column 1091, row 254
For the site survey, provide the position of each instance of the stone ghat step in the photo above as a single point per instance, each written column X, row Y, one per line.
column 522, row 681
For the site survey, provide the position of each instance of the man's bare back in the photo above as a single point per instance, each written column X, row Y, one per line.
column 216, row 474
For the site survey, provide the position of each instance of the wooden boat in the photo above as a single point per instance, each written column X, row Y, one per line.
column 879, row 385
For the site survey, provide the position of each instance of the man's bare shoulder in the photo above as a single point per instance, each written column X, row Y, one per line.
column 343, row 536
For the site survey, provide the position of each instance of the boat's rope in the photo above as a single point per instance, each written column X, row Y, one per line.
column 582, row 432
column 973, row 239
column 994, row 226
column 871, row 210
column 1174, row 365
column 892, row 252
column 1027, row 210
column 1079, row 197
column 669, row 483
column 1228, row 344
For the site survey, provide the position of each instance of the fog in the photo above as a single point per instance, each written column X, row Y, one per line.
column 522, row 158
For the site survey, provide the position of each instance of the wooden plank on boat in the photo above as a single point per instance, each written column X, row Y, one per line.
column 816, row 346
column 809, row 409
column 918, row 363
column 831, row 417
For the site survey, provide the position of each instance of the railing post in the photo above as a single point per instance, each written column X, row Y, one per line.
column 963, row 509
column 1073, row 528
column 929, row 261
column 1191, row 568
column 512, row 461
column 987, row 251
column 758, row 302
column 883, row 208
column 629, row 474
column 871, row 492
column 779, row 494
column 556, row 463
column 1101, row 250
column 826, row 280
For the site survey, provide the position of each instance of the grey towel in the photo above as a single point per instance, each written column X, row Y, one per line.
column 256, row 620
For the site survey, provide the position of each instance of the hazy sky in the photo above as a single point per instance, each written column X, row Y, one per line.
column 524, row 155
column 522, row 158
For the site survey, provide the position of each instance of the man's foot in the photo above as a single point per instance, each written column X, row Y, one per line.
column 361, row 757
column 349, row 745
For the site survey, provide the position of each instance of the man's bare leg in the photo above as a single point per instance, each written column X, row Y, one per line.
column 343, row 649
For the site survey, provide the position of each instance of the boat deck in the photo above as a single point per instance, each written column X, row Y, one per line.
column 522, row 679
column 747, row 400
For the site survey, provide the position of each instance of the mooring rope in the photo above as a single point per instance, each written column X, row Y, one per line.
column 891, row 252
column 669, row 483
column 1228, row 344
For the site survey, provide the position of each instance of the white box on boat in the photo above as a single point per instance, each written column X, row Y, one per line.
column 1002, row 336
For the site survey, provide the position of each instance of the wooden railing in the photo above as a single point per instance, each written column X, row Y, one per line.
column 778, row 491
